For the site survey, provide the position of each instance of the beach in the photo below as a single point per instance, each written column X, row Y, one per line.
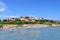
column 24, row 26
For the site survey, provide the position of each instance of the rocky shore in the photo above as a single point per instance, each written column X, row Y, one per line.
column 34, row 25
column 26, row 26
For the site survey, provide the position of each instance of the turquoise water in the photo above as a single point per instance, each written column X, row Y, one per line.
column 49, row 33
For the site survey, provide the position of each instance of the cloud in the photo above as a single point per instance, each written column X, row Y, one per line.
column 2, row 6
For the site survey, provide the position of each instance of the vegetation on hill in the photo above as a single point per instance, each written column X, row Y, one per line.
column 21, row 22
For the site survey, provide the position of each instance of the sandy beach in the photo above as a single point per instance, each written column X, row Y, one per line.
column 34, row 25
column 24, row 26
column 27, row 26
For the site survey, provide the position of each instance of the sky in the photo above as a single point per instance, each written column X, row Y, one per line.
column 49, row 9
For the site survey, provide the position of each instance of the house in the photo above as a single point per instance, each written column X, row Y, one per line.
column 23, row 18
column 11, row 19
column 27, row 18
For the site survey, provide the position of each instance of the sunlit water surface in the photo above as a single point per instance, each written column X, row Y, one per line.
column 49, row 33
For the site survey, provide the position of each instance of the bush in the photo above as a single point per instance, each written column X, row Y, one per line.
column 48, row 23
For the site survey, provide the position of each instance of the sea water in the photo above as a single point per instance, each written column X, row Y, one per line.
column 44, row 33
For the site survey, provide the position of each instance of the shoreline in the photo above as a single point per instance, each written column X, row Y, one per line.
column 27, row 26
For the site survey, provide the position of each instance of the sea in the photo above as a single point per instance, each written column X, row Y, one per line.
column 43, row 33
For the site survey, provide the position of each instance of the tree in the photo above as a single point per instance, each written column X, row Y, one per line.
column 4, row 20
column 46, row 20
column 42, row 18
column 18, row 20
column 0, row 20
column 41, row 21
